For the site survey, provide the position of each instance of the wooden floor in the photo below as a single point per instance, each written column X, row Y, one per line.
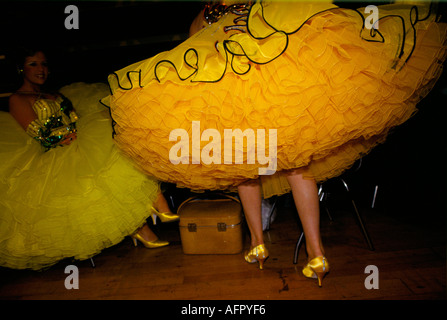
column 410, row 255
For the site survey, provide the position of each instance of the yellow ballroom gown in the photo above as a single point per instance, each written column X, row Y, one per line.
column 312, row 77
column 71, row 201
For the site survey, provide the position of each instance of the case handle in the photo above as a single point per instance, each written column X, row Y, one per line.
column 213, row 196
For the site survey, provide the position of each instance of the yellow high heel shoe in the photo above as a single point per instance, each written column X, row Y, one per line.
column 163, row 216
column 148, row 244
column 317, row 268
column 257, row 254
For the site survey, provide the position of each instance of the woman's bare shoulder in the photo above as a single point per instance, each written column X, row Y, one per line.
column 20, row 107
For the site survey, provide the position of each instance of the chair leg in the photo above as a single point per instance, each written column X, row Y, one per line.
column 327, row 211
column 359, row 218
column 362, row 226
column 272, row 209
column 374, row 196
column 321, row 197
column 297, row 247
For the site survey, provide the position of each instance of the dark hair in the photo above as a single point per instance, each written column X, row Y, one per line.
column 22, row 53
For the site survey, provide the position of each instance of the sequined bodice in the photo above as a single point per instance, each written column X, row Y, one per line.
column 55, row 119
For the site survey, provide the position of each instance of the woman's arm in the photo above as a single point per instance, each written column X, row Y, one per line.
column 20, row 108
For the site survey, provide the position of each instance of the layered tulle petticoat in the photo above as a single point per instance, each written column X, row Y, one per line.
column 71, row 201
column 308, row 82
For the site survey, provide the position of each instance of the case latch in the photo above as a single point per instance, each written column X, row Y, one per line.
column 221, row 227
column 192, row 227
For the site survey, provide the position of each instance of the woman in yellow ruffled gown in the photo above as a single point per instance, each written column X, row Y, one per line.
column 66, row 191
column 313, row 83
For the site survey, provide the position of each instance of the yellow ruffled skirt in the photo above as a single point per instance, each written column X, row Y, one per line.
column 72, row 201
column 310, row 77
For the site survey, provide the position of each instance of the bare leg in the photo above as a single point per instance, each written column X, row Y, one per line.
column 147, row 233
column 250, row 195
column 305, row 195
column 161, row 204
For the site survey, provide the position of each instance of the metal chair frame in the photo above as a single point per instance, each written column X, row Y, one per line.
column 322, row 195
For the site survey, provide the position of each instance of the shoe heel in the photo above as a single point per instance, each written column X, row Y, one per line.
column 261, row 263
column 257, row 254
column 320, row 276
column 317, row 268
column 154, row 218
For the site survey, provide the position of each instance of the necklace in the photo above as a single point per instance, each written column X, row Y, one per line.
column 29, row 92
column 36, row 95
column 39, row 94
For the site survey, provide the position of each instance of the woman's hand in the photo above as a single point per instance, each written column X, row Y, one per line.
column 69, row 138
